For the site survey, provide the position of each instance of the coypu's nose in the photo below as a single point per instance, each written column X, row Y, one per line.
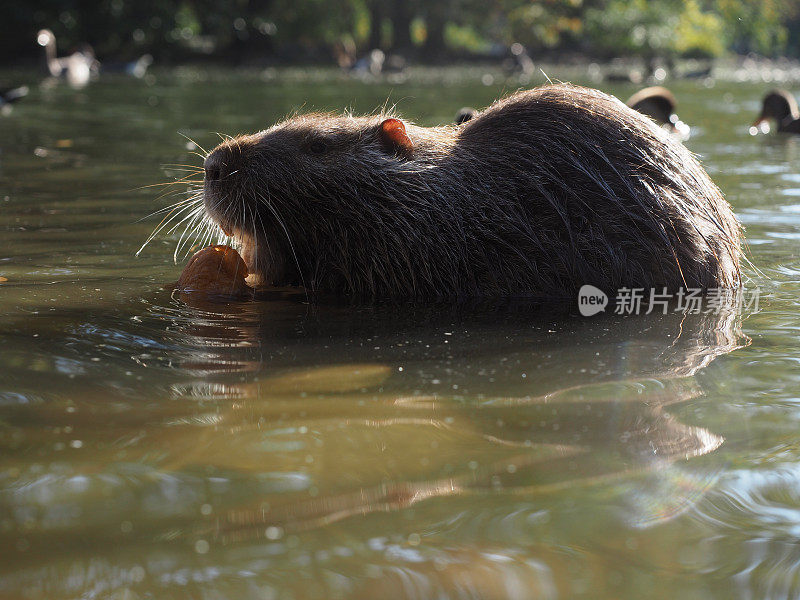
column 220, row 164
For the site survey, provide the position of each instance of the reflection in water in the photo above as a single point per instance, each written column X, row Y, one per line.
column 549, row 439
column 275, row 450
column 408, row 432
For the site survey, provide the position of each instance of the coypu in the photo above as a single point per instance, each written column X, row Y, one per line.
column 542, row 192
column 781, row 106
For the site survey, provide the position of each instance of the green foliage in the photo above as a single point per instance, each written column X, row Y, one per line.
column 544, row 24
column 465, row 37
column 639, row 27
column 698, row 33
column 755, row 25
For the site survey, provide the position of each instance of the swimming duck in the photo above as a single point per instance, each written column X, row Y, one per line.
column 465, row 114
column 9, row 95
column 135, row 68
column 781, row 106
column 77, row 68
column 658, row 103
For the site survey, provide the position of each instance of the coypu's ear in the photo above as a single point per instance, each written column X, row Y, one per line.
column 394, row 138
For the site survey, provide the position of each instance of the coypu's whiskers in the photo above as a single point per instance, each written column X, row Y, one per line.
column 255, row 254
column 201, row 156
column 187, row 165
column 188, row 212
column 208, row 231
column 195, row 143
column 196, row 219
column 280, row 221
column 182, row 181
column 185, row 209
column 189, row 173
column 169, row 193
column 224, row 136
column 192, row 205
column 178, row 167
column 168, row 209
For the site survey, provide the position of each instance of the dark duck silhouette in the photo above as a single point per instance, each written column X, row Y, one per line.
column 658, row 103
column 781, row 107
column 465, row 114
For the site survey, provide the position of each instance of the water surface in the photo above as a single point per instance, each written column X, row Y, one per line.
column 156, row 449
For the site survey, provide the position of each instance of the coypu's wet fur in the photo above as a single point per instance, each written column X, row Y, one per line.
column 541, row 193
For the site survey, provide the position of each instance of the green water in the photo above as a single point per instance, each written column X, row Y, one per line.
column 153, row 449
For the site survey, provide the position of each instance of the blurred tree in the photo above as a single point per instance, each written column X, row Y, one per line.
column 436, row 16
column 641, row 28
column 699, row 33
column 308, row 30
column 544, row 25
column 754, row 25
column 402, row 13
column 377, row 16
column 792, row 24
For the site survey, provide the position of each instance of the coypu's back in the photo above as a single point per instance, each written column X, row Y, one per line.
column 541, row 193
column 611, row 199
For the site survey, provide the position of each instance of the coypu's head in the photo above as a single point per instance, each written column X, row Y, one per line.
column 779, row 105
column 308, row 190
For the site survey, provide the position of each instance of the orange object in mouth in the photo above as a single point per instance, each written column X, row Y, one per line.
column 215, row 270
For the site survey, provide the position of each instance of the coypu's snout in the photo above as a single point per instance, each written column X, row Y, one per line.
column 221, row 164
column 220, row 169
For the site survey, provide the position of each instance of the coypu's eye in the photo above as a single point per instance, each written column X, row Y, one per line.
column 317, row 147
